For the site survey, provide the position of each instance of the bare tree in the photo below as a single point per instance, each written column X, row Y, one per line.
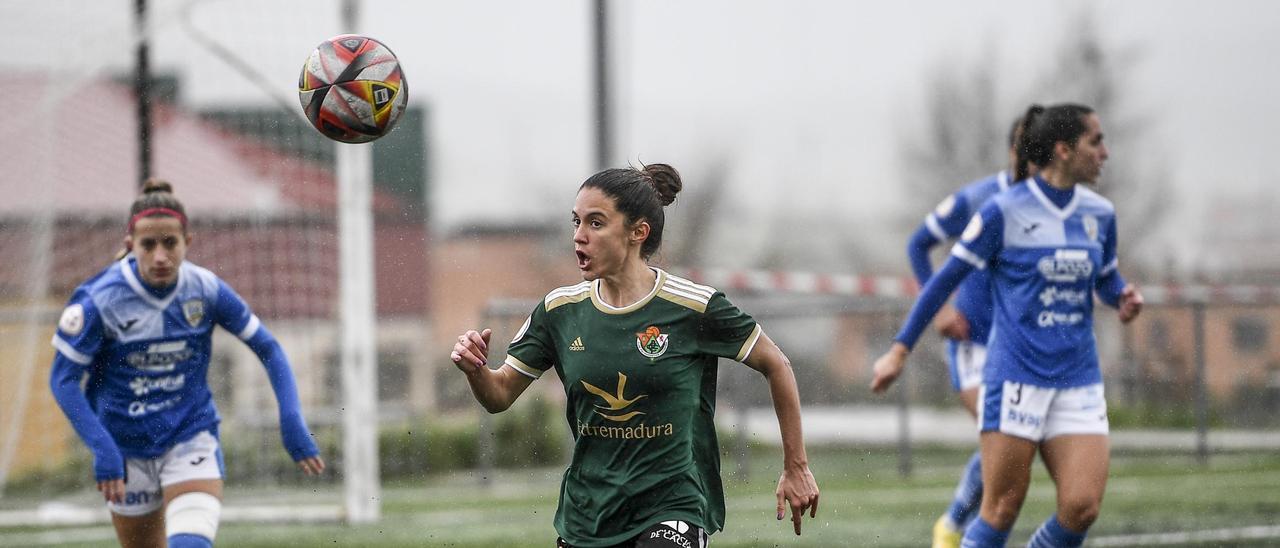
column 690, row 223
column 963, row 134
column 1087, row 70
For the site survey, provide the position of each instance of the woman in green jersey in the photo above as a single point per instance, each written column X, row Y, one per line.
column 636, row 349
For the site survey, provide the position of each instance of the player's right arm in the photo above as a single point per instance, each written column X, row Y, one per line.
column 77, row 340
column 495, row 389
column 978, row 244
column 530, row 354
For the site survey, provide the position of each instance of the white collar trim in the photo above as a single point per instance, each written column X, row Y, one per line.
column 1061, row 213
column 659, row 278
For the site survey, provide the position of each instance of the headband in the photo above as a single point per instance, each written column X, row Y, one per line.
column 154, row 211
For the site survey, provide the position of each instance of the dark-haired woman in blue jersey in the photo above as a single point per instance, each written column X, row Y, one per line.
column 965, row 325
column 1050, row 246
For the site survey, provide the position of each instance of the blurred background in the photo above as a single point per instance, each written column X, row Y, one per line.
column 812, row 136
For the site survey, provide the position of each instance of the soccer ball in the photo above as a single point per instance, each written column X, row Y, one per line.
column 352, row 89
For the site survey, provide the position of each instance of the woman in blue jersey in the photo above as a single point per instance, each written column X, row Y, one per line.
column 1050, row 246
column 140, row 331
column 637, row 351
column 965, row 325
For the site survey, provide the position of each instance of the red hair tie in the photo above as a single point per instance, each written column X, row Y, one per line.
column 157, row 210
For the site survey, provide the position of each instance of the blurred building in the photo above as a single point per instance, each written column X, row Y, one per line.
column 1241, row 356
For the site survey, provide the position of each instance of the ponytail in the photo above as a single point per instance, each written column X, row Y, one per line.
column 1018, row 139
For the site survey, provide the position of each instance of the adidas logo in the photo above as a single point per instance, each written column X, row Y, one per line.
column 576, row 345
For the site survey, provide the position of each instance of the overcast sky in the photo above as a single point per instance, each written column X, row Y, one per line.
column 806, row 102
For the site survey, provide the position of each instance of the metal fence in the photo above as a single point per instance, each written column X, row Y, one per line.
column 1197, row 373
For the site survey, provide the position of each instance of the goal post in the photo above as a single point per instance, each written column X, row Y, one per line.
column 357, row 325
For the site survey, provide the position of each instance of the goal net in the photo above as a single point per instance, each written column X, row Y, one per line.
column 261, row 189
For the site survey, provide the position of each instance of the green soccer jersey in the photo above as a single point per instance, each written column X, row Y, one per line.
column 641, row 388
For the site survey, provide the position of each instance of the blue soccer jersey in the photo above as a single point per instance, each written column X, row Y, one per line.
column 147, row 356
column 946, row 222
column 1045, row 262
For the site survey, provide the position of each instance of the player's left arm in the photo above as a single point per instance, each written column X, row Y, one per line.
column 946, row 221
column 1110, row 286
column 233, row 314
column 727, row 332
column 797, row 486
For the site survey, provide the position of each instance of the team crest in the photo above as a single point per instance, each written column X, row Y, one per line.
column 193, row 311
column 1090, row 227
column 652, row 343
column 72, row 320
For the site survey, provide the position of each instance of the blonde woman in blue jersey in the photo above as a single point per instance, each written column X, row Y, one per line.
column 637, row 350
column 966, row 325
column 1050, row 246
column 137, row 336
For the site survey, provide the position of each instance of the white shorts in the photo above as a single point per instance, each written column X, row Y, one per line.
column 199, row 458
column 1037, row 413
column 965, row 360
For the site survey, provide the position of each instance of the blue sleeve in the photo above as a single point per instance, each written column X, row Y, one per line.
column 78, row 338
column 945, row 222
column 233, row 314
column 64, row 382
column 979, row 243
column 983, row 238
column 932, row 297
column 918, row 252
column 80, row 334
column 950, row 216
column 1110, row 284
column 293, row 428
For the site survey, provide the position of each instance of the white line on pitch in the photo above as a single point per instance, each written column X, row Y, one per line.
column 1183, row 537
column 58, row 537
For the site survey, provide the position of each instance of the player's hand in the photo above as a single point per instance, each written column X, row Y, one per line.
column 888, row 367
column 1130, row 303
column 312, row 466
column 952, row 324
column 112, row 490
column 797, row 489
column 471, row 352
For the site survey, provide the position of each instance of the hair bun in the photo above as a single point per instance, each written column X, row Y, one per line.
column 156, row 185
column 666, row 180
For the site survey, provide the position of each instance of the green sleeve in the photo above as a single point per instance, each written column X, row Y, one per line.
column 726, row 331
column 531, row 351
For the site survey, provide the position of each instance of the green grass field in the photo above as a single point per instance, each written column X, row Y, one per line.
column 864, row 503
